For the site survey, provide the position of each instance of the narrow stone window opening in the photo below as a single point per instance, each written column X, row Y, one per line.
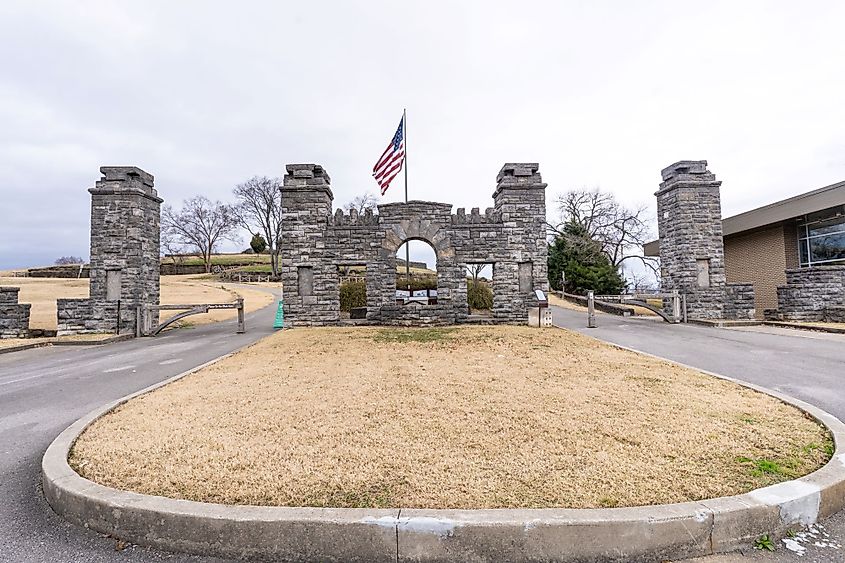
column 480, row 294
column 353, row 291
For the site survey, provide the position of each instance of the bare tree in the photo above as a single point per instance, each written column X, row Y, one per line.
column 621, row 231
column 171, row 245
column 640, row 282
column 201, row 225
column 474, row 270
column 259, row 206
column 361, row 203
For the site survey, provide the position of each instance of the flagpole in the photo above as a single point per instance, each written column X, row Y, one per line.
column 407, row 244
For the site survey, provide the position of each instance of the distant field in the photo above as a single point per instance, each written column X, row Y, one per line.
column 221, row 260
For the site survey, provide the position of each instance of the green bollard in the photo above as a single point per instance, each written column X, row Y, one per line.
column 280, row 315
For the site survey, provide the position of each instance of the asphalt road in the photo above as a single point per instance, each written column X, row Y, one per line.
column 803, row 364
column 42, row 391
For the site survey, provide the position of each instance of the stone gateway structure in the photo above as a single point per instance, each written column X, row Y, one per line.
column 316, row 242
column 125, row 219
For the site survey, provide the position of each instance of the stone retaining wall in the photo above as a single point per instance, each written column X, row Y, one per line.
column 84, row 316
column 811, row 294
column 14, row 316
column 739, row 301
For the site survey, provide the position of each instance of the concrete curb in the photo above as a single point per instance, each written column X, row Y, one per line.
column 646, row 533
column 799, row 326
column 120, row 338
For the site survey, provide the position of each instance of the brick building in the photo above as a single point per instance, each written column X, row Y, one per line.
column 783, row 240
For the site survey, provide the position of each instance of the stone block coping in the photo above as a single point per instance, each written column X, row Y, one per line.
column 645, row 533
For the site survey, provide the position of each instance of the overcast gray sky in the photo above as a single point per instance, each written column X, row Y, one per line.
column 206, row 94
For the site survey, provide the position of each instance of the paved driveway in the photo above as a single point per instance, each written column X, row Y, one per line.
column 802, row 364
column 43, row 391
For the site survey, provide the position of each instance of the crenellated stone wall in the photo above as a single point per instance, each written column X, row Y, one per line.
column 124, row 266
column 692, row 256
column 811, row 294
column 316, row 242
column 14, row 316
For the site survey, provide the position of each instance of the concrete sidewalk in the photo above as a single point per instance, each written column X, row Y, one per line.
column 803, row 364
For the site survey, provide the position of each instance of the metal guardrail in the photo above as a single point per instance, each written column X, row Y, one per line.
column 679, row 304
column 144, row 325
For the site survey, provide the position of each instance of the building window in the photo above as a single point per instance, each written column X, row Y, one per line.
column 821, row 240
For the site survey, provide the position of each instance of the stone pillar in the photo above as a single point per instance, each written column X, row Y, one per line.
column 309, row 281
column 125, row 247
column 520, row 200
column 692, row 256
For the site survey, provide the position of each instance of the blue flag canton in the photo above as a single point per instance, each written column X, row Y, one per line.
column 397, row 138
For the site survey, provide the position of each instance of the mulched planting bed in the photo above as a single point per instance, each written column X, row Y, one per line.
column 471, row 417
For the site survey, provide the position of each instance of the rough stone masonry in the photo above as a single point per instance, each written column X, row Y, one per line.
column 692, row 252
column 14, row 316
column 317, row 242
column 125, row 219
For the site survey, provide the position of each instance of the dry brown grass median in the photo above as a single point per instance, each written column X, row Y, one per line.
column 474, row 417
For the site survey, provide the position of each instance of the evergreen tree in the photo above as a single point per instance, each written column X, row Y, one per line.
column 258, row 244
column 582, row 260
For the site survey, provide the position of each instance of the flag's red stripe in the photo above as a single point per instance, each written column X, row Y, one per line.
column 387, row 183
column 385, row 160
column 387, row 167
column 396, row 168
column 387, row 150
column 389, row 177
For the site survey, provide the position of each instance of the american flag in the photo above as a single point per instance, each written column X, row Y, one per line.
column 390, row 163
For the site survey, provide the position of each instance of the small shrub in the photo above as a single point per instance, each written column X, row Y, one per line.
column 353, row 294
column 479, row 295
